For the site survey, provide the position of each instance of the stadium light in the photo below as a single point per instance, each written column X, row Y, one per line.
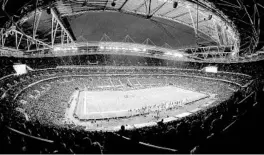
column 109, row 48
column 174, row 54
column 57, row 49
column 178, row 55
column 64, row 49
column 136, row 49
column 168, row 53
column 74, row 49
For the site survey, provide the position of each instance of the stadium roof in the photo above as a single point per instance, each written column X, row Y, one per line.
column 181, row 23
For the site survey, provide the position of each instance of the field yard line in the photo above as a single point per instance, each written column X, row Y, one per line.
column 108, row 111
column 85, row 101
column 98, row 105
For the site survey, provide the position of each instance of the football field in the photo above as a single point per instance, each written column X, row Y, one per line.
column 111, row 104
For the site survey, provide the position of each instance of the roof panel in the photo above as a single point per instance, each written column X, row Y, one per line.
column 176, row 12
column 132, row 5
column 165, row 9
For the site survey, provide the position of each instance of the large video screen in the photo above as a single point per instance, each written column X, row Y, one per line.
column 20, row 69
column 211, row 69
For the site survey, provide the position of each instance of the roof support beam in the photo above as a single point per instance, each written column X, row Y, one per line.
column 228, row 4
column 185, row 13
column 2, row 37
column 216, row 31
column 28, row 41
column 144, row 3
column 123, row 5
column 211, row 52
column 59, row 28
column 193, row 23
column 155, row 10
column 105, row 4
column 250, row 19
column 36, row 22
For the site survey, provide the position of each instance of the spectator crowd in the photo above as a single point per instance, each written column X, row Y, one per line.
column 20, row 134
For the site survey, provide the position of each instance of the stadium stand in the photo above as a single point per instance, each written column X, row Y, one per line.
column 21, row 133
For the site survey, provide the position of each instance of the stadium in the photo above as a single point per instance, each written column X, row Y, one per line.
column 131, row 76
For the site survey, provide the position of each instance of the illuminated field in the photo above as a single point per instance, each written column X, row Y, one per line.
column 111, row 104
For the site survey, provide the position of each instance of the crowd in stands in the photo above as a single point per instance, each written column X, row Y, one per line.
column 55, row 93
column 18, row 135
column 251, row 68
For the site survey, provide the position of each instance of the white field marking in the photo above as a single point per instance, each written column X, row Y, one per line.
column 100, row 110
column 141, row 125
column 183, row 114
column 85, row 100
column 169, row 119
column 105, row 86
column 116, row 111
column 195, row 110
